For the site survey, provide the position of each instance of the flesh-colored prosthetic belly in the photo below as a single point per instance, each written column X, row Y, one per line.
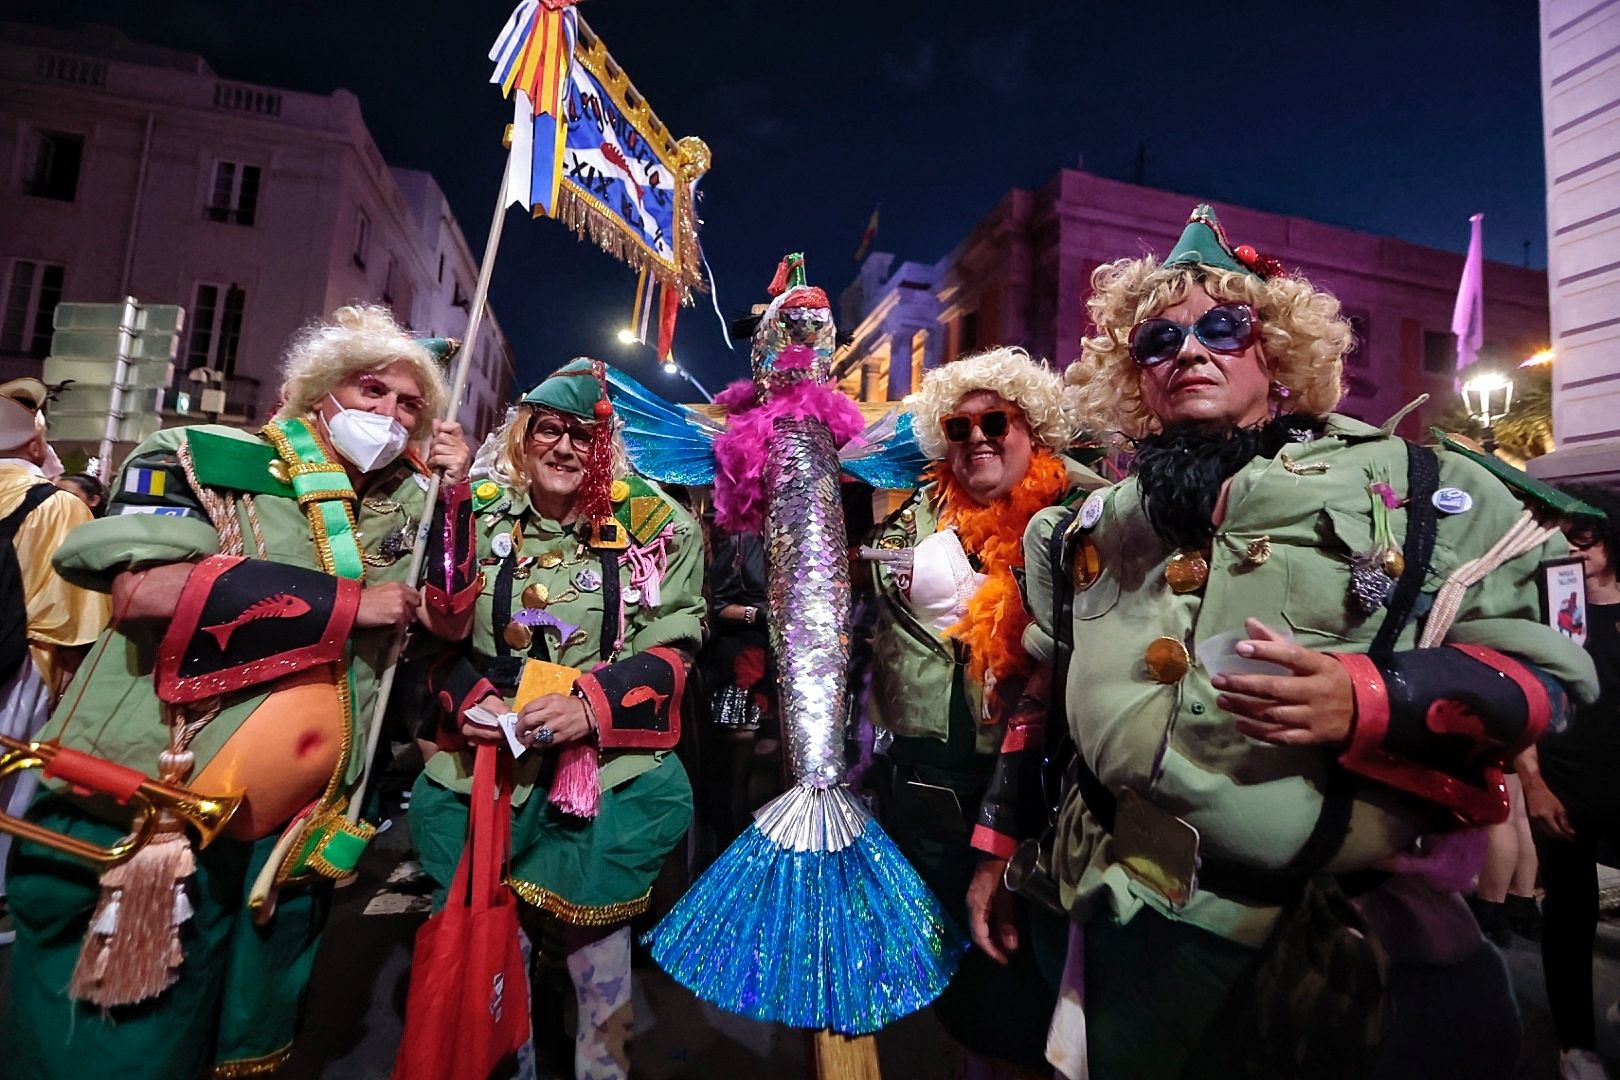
column 282, row 756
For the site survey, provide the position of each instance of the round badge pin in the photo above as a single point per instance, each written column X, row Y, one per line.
column 1450, row 500
column 587, row 580
column 632, row 595
column 501, row 544
column 1092, row 511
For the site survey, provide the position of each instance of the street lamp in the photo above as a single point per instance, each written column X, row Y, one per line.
column 627, row 336
column 1487, row 397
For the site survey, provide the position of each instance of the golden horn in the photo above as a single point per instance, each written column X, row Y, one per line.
column 207, row 814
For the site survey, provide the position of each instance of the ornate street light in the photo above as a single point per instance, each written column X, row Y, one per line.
column 1487, row 397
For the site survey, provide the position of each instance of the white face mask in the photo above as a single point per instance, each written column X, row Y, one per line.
column 369, row 440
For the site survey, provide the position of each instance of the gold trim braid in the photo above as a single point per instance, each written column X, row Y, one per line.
column 259, row 1066
column 580, row 914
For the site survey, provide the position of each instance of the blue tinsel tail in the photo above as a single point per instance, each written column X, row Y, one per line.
column 812, row 919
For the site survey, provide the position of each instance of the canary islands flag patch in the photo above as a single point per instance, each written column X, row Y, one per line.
column 144, row 481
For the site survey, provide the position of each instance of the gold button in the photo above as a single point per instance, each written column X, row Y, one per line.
column 550, row 559
column 536, row 595
column 1087, row 565
column 1167, row 659
column 1258, row 552
column 517, row 635
column 891, row 543
column 907, row 516
column 1187, row 571
column 1393, row 563
column 278, row 471
column 619, row 492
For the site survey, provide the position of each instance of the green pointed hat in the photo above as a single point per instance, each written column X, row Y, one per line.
column 575, row 388
column 1203, row 243
column 1523, row 484
column 441, row 349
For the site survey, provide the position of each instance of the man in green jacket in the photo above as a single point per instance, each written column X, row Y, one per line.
column 258, row 582
column 1247, row 699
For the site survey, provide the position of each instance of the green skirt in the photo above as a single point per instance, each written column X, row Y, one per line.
column 587, row 873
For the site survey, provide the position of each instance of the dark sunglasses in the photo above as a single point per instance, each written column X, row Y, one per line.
column 549, row 432
column 992, row 424
column 1583, row 540
column 1225, row 328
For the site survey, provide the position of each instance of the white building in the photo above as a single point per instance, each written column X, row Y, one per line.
column 127, row 169
column 1580, row 106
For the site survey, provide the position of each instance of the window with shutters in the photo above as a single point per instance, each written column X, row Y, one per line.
column 33, row 289
column 234, row 197
column 216, row 327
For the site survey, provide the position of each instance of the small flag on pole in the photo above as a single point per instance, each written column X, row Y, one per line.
column 866, row 237
column 1468, row 317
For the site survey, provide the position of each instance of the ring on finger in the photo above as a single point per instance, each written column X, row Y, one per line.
column 543, row 736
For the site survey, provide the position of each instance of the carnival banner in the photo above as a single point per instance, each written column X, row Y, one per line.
column 588, row 150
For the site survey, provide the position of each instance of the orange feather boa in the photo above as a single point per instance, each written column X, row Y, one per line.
column 993, row 626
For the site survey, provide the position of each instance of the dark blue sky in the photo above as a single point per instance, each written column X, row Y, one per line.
column 1394, row 118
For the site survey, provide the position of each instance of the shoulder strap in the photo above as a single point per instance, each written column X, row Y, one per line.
column 30, row 502
column 1061, row 752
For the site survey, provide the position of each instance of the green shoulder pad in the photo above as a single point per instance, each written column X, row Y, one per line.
column 236, row 464
column 1523, row 484
column 644, row 511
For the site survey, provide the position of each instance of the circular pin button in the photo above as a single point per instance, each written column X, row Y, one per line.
column 1091, row 512
column 1186, row 572
column 619, row 492
column 632, row 595
column 1450, row 500
column 501, row 544
column 1167, row 659
column 487, row 490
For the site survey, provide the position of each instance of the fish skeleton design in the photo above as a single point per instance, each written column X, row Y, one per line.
column 638, row 694
column 278, row 606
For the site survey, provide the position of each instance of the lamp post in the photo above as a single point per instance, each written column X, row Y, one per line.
column 627, row 336
column 1487, row 397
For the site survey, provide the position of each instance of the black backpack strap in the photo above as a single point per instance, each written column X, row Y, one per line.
column 30, row 502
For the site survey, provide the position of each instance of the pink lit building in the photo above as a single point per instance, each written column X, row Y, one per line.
column 127, row 169
column 1020, row 277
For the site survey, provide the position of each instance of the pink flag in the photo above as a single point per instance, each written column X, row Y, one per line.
column 1468, row 318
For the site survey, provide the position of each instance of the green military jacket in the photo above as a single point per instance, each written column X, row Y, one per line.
column 1253, row 802
column 111, row 709
column 551, row 558
column 913, row 665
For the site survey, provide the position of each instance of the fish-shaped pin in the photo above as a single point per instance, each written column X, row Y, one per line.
column 533, row 617
column 279, row 606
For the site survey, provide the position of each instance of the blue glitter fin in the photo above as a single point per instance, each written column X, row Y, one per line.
column 886, row 455
column 850, row 939
column 669, row 443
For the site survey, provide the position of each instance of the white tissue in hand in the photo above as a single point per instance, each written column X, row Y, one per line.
column 507, row 722
column 1218, row 656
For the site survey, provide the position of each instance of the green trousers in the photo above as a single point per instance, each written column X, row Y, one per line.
column 235, row 1006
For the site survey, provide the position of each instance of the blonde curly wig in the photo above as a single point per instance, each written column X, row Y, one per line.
column 359, row 337
column 1303, row 338
column 1008, row 371
column 508, row 465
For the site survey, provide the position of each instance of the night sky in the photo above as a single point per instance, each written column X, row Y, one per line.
column 1393, row 118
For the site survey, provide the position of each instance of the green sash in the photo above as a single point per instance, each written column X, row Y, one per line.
column 323, row 490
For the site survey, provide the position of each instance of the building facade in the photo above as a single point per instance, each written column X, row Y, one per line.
column 1580, row 105
column 131, row 170
column 1022, row 275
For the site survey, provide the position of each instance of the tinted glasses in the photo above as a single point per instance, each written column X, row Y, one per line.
column 1225, row 328
column 1583, row 539
column 992, row 424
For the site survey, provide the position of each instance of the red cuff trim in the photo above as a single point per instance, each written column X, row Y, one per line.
column 1017, row 738
column 1538, row 708
column 450, row 606
column 990, row 842
column 1366, row 757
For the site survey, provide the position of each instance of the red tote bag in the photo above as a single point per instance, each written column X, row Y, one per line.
column 468, row 1006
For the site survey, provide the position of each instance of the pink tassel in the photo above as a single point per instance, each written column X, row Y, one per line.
column 576, row 789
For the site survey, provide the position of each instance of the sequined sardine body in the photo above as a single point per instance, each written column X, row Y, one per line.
column 809, row 597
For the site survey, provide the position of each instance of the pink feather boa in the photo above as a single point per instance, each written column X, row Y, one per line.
column 739, row 451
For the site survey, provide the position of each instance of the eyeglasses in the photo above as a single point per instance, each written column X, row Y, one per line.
column 547, row 432
column 1225, row 328
column 1583, row 540
column 992, row 424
